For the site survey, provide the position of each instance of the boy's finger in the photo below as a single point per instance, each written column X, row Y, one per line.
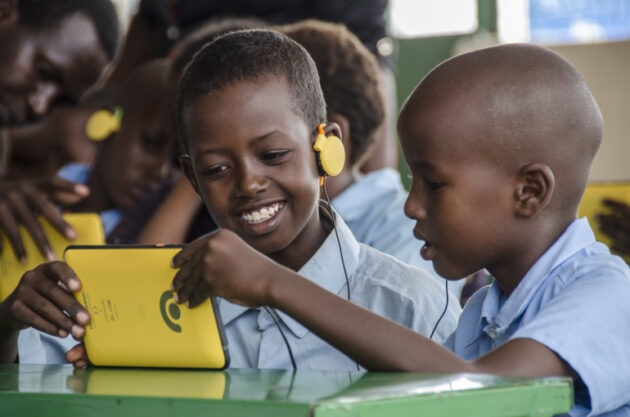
column 29, row 318
column 10, row 228
column 61, row 302
column 199, row 295
column 60, row 271
column 621, row 206
column 52, row 313
column 190, row 285
column 77, row 353
column 189, row 252
column 50, row 212
column 26, row 216
column 58, row 184
column 183, row 274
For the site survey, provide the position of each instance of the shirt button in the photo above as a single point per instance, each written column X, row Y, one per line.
column 492, row 332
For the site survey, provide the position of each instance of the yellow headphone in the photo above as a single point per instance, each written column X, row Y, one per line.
column 329, row 152
column 103, row 123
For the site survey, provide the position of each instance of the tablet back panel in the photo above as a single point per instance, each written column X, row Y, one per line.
column 135, row 321
column 90, row 232
column 591, row 204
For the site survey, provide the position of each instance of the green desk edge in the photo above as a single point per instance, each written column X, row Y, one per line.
column 55, row 390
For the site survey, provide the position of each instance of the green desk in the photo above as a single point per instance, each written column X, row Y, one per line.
column 34, row 390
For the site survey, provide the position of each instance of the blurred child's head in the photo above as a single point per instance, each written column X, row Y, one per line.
column 248, row 108
column 51, row 52
column 136, row 160
column 499, row 143
column 184, row 51
column 349, row 76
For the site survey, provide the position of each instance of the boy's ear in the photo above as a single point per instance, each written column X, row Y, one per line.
column 8, row 12
column 534, row 189
column 186, row 164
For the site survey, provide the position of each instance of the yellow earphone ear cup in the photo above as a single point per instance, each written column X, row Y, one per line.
column 332, row 154
column 102, row 124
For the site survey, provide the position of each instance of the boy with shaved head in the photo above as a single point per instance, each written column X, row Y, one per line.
column 499, row 143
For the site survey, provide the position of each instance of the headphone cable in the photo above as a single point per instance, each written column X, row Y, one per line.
column 274, row 316
column 443, row 312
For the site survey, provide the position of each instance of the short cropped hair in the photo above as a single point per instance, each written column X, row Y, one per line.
column 249, row 55
column 183, row 52
column 349, row 75
column 48, row 13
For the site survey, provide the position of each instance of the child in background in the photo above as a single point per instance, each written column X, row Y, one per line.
column 249, row 105
column 51, row 53
column 500, row 143
column 134, row 162
column 372, row 204
column 130, row 165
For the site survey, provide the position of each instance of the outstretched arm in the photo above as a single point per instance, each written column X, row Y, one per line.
column 223, row 265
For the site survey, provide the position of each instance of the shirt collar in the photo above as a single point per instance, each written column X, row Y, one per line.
column 324, row 268
column 575, row 238
column 352, row 201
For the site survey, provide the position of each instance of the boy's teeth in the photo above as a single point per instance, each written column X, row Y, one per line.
column 261, row 215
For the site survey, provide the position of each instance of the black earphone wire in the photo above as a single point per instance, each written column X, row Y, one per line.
column 273, row 313
column 274, row 316
column 443, row 312
column 343, row 262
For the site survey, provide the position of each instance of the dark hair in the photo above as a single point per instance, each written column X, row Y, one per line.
column 248, row 55
column 183, row 52
column 349, row 76
column 48, row 13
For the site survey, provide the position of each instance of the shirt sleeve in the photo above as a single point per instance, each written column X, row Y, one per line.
column 586, row 324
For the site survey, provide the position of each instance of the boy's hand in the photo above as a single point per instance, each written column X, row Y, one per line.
column 77, row 356
column 222, row 264
column 616, row 225
column 43, row 300
column 20, row 200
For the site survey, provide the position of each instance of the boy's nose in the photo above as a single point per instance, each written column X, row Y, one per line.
column 41, row 99
column 251, row 183
column 414, row 206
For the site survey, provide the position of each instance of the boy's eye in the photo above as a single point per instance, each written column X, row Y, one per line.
column 433, row 185
column 216, row 171
column 274, row 157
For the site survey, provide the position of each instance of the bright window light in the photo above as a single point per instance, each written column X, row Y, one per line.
column 563, row 21
column 423, row 18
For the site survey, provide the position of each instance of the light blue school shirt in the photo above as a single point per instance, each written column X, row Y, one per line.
column 80, row 173
column 576, row 301
column 373, row 208
column 378, row 282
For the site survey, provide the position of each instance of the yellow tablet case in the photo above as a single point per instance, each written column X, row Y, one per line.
column 135, row 321
column 89, row 229
column 591, row 204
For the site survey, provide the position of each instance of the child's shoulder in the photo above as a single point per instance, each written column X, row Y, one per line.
column 403, row 293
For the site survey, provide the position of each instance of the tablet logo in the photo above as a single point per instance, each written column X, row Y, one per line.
column 173, row 311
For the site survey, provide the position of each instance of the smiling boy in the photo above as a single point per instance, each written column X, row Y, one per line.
column 499, row 143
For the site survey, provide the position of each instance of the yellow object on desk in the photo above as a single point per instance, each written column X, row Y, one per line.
column 591, row 204
column 88, row 226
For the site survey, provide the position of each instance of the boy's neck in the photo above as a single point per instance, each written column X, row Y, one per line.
column 539, row 239
column 337, row 185
column 304, row 246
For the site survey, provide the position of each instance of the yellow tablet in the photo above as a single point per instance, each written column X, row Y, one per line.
column 89, row 229
column 591, row 203
column 135, row 321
